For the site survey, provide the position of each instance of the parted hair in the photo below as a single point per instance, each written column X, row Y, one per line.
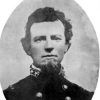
column 46, row 14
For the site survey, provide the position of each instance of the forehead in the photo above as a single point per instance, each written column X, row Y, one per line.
column 47, row 28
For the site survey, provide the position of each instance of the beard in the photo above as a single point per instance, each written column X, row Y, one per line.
column 50, row 68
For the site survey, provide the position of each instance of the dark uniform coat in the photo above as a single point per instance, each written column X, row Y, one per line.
column 46, row 87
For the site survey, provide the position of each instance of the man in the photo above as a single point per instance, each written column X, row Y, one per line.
column 47, row 39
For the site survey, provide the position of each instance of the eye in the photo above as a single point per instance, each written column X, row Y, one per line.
column 37, row 40
column 55, row 37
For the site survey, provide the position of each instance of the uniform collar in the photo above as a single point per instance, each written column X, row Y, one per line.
column 34, row 71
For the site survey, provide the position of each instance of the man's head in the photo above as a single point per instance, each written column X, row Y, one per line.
column 47, row 37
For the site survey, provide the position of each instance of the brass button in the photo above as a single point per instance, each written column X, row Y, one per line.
column 68, row 98
column 39, row 94
column 65, row 87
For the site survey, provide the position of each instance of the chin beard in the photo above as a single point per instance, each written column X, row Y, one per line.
column 50, row 68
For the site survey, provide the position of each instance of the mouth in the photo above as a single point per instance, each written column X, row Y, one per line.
column 49, row 56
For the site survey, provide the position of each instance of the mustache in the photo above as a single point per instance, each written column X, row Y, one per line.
column 49, row 56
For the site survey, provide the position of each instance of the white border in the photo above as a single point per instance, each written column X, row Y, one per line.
column 91, row 7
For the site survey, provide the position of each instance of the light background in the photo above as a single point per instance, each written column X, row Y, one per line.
column 81, row 61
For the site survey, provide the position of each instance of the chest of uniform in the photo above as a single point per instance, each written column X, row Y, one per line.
column 40, row 89
column 50, row 91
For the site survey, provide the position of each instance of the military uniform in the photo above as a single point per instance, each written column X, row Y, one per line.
column 40, row 86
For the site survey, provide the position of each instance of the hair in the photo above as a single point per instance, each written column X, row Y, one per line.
column 46, row 14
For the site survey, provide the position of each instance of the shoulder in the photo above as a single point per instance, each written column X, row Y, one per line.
column 21, row 83
column 15, row 90
column 77, row 91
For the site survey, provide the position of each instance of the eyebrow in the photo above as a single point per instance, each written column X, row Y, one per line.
column 39, row 38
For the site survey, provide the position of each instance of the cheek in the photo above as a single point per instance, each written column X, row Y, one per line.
column 35, row 52
column 60, row 51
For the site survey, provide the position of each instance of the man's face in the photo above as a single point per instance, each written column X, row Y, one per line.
column 47, row 43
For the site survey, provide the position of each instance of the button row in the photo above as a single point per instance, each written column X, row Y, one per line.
column 39, row 95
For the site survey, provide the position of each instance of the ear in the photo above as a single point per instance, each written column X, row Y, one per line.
column 26, row 46
column 67, row 47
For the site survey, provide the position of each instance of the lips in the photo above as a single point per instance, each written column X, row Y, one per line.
column 49, row 56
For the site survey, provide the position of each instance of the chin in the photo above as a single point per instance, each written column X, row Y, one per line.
column 50, row 67
column 49, row 62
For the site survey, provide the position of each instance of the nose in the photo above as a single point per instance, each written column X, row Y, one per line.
column 48, row 46
column 48, row 49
